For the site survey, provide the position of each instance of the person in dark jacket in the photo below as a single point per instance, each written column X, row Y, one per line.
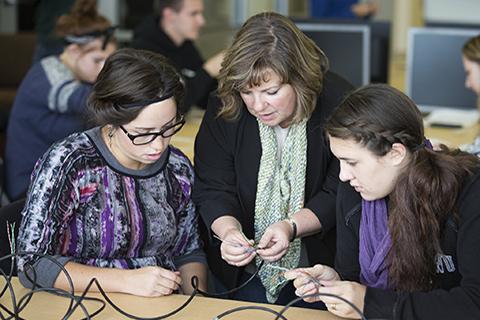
column 264, row 176
column 171, row 33
column 408, row 224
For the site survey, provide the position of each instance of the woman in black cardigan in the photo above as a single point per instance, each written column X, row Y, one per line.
column 265, row 178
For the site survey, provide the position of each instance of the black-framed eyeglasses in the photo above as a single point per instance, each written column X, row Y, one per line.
column 146, row 138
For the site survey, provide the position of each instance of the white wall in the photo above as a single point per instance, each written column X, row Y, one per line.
column 452, row 11
column 8, row 18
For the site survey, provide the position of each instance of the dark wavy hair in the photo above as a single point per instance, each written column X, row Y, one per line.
column 131, row 76
column 425, row 195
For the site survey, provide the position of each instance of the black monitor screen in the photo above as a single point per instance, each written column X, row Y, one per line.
column 346, row 46
column 435, row 74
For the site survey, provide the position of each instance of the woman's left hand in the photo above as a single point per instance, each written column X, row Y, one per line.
column 275, row 241
column 351, row 291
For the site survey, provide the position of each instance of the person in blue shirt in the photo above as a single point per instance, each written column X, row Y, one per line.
column 51, row 99
column 343, row 9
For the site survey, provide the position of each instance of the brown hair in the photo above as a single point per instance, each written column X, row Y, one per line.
column 270, row 41
column 471, row 49
column 83, row 18
column 425, row 194
column 131, row 76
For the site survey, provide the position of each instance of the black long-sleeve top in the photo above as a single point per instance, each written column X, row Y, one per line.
column 227, row 159
column 186, row 58
column 457, row 293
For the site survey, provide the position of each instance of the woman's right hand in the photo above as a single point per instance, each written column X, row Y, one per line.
column 303, row 279
column 236, row 249
column 152, row 281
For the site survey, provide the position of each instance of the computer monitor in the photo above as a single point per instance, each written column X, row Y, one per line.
column 435, row 76
column 346, row 46
column 379, row 43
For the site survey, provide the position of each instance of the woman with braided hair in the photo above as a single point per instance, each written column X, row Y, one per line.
column 408, row 219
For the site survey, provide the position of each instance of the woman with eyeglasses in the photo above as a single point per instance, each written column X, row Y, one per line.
column 113, row 202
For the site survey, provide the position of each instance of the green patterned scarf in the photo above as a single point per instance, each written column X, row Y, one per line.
column 280, row 193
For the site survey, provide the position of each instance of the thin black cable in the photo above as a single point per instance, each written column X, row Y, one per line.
column 71, row 292
column 77, row 301
column 243, row 308
column 8, row 285
column 23, row 302
column 290, row 304
column 82, row 297
column 118, row 309
column 63, row 293
column 194, row 282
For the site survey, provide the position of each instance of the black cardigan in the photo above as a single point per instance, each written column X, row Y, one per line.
column 227, row 158
column 458, row 284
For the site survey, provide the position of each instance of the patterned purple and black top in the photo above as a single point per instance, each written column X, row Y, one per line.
column 84, row 206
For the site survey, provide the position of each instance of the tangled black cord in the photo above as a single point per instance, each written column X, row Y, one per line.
column 78, row 301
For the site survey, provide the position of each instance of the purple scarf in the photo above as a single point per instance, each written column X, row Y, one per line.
column 375, row 243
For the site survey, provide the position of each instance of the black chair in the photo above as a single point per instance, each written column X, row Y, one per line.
column 8, row 215
column 3, row 196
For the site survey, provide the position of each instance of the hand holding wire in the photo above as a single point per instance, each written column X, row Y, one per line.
column 236, row 249
column 308, row 281
column 275, row 241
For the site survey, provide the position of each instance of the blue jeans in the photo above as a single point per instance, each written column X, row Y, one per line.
column 254, row 291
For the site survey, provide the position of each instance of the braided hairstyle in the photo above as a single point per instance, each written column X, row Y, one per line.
column 425, row 195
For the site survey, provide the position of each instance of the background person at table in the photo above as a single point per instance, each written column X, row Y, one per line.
column 471, row 64
column 51, row 101
column 261, row 158
column 343, row 9
column 171, row 32
column 408, row 224
column 114, row 202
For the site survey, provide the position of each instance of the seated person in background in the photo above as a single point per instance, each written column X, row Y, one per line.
column 342, row 9
column 171, row 32
column 51, row 100
column 264, row 172
column 113, row 202
column 408, row 219
column 471, row 64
